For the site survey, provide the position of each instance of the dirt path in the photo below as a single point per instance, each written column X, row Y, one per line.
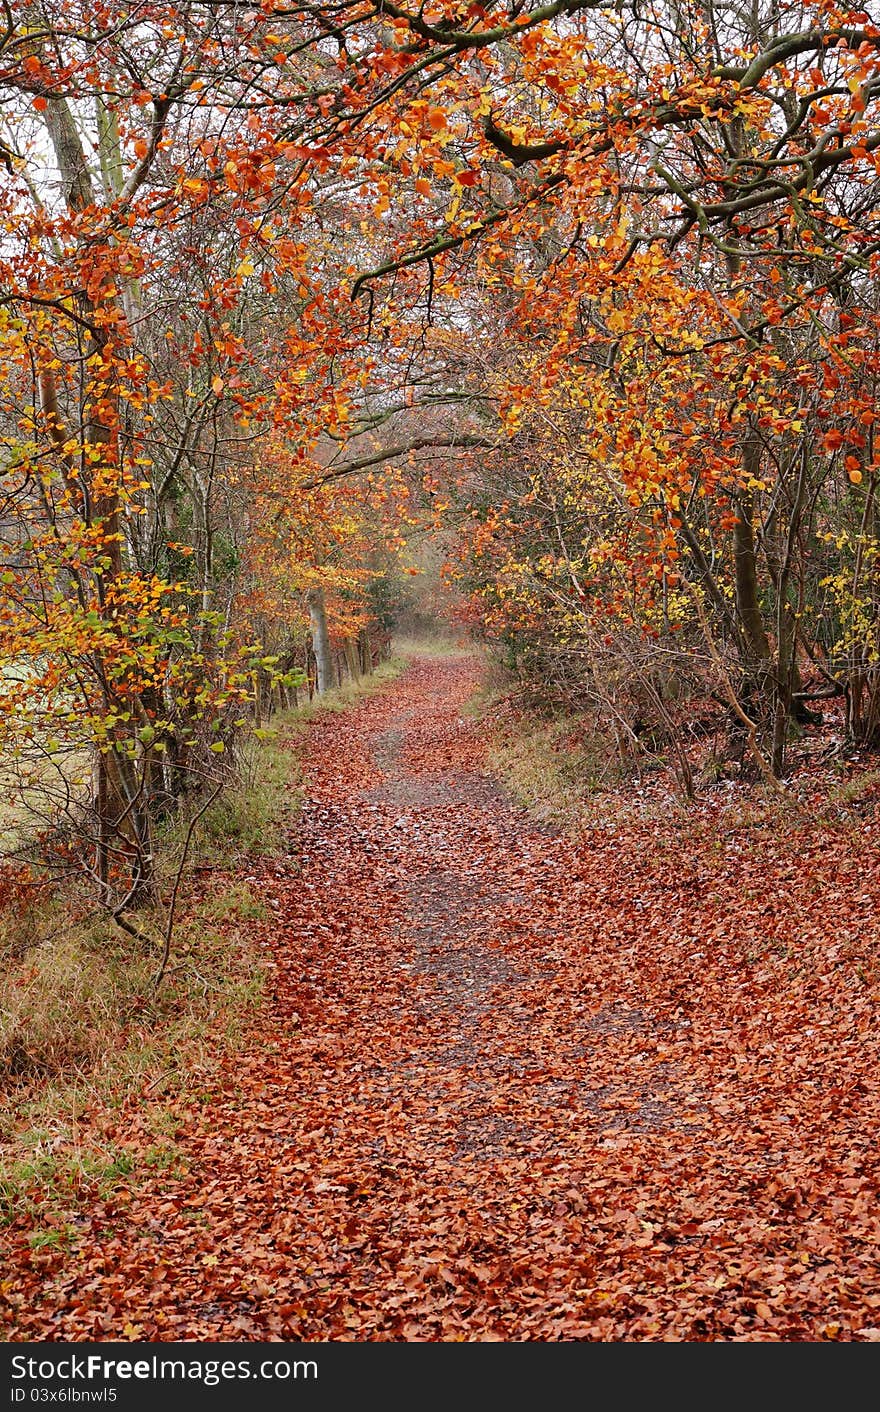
column 509, row 1087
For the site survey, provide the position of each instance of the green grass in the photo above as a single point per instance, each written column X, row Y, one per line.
column 251, row 820
column 84, row 1031
column 351, row 692
column 856, row 790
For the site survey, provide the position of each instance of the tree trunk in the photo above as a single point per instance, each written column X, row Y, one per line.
column 349, row 647
column 124, row 841
column 366, row 652
column 748, row 605
column 320, row 640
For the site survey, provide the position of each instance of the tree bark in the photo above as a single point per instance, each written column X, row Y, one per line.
column 748, row 604
column 320, row 640
column 366, row 652
column 349, row 647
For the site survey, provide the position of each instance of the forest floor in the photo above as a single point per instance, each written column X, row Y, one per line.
column 510, row 1083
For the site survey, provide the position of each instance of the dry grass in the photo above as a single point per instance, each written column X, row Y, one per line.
column 438, row 645
column 553, row 767
column 83, row 1028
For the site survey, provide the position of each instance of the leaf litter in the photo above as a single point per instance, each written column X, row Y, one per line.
column 510, row 1084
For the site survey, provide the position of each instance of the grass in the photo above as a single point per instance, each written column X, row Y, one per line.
column 251, row 821
column 27, row 785
column 436, row 645
column 554, row 767
column 858, row 790
column 83, row 1030
column 351, row 691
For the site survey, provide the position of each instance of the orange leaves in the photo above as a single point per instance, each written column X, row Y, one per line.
column 196, row 187
column 437, row 119
column 853, row 469
column 549, row 1087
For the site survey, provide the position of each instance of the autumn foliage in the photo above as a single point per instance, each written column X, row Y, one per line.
column 251, row 253
column 582, row 296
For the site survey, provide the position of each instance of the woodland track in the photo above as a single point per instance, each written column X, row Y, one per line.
column 509, row 1085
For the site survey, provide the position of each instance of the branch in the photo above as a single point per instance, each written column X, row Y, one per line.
column 169, row 925
column 392, row 452
column 138, row 174
column 452, row 242
column 520, row 153
column 478, row 39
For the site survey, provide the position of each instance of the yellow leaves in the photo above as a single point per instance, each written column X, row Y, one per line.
column 244, row 268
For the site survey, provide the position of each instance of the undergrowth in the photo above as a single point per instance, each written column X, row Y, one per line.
column 571, row 776
column 554, row 765
column 83, row 1028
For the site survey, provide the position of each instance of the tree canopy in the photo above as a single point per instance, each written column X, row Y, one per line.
column 587, row 290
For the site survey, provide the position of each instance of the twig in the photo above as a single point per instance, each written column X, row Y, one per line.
column 169, row 926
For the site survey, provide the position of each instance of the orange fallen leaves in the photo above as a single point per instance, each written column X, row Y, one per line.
column 646, row 1111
